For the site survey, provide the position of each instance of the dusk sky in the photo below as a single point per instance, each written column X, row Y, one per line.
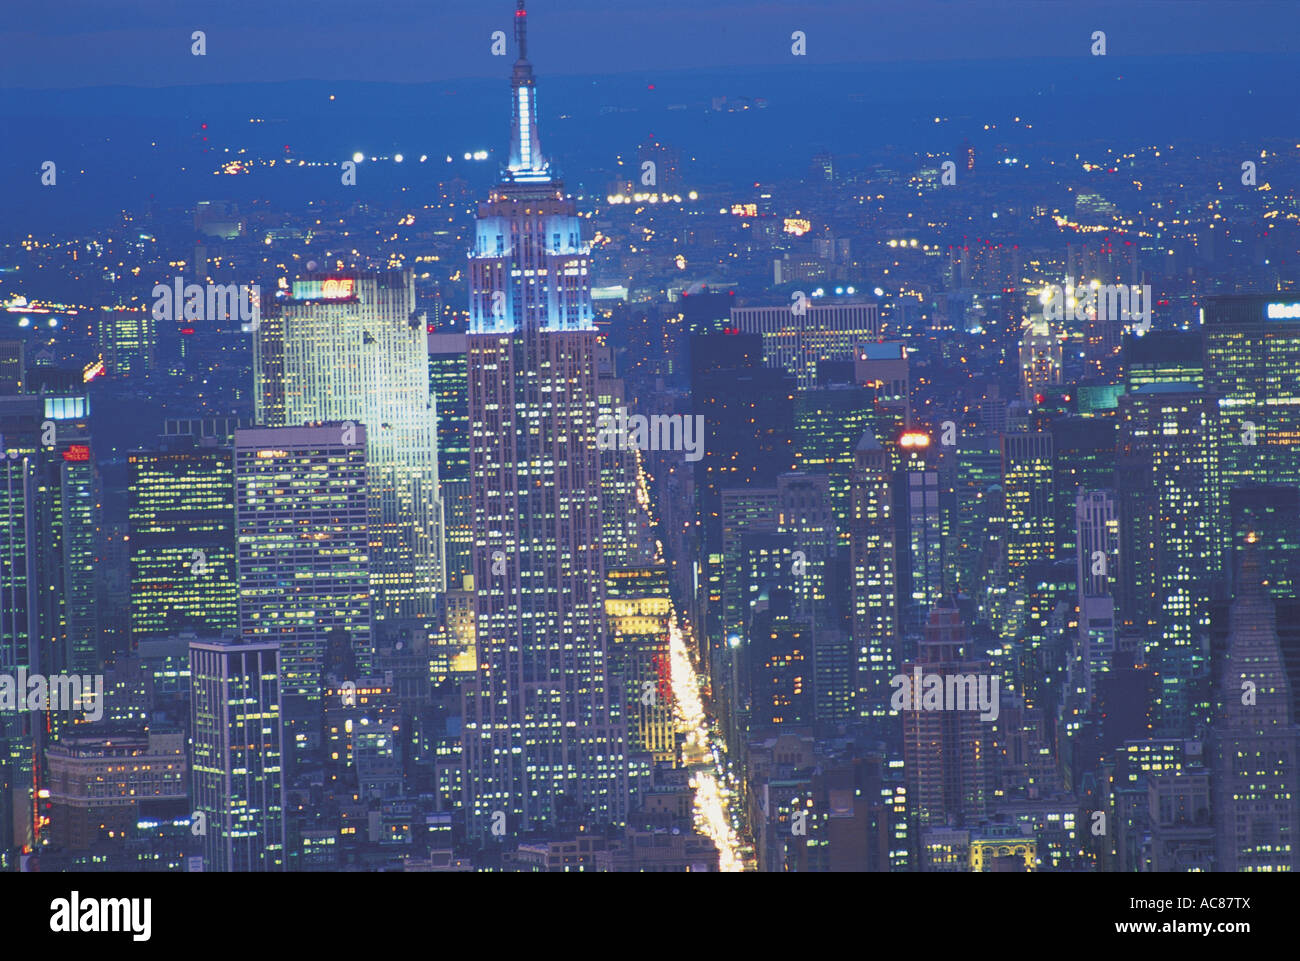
column 76, row 43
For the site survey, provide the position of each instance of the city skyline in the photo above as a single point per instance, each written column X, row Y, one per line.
column 579, row 503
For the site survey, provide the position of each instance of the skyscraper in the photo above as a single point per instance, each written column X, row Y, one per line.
column 748, row 413
column 874, row 586
column 182, row 539
column 639, row 610
column 1257, row 740
column 540, row 739
column 67, row 526
column 1267, row 517
column 1027, row 464
column 828, row 423
column 1097, row 551
column 1171, row 528
column 449, row 387
column 923, row 518
column 350, row 347
column 1040, row 360
column 947, row 753
column 237, row 765
column 1252, row 364
column 19, row 631
column 303, row 566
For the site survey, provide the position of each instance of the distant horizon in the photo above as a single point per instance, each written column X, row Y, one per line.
column 411, row 41
column 795, row 67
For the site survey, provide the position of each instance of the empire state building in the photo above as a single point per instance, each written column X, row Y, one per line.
column 543, row 740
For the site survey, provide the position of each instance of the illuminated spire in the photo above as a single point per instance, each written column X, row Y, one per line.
column 527, row 165
column 521, row 29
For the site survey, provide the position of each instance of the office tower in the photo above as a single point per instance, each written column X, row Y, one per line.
column 922, row 515
column 13, row 367
column 52, row 501
column 805, row 514
column 766, row 565
column 828, row 422
column 884, row 367
column 781, row 538
column 946, row 753
column 796, row 339
column 1164, row 357
column 1030, row 506
column 302, row 551
column 540, row 739
column 781, row 683
column 268, row 366
column 748, row 413
column 350, row 347
column 1035, row 661
column 68, row 524
column 19, row 625
column 1257, row 740
column 1097, row 560
column 619, row 467
column 238, row 753
column 182, row 538
column 639, row 610
column 874, row 586
column 1252, row 363
column 1268, row 517
column 449, row 387
column 128, row 341
column 1171, row 527
column 978, row 472
column 1083, row 450
column 1040, row 361
column 745, row 511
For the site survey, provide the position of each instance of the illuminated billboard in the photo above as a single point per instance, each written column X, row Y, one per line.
column 331, row 288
